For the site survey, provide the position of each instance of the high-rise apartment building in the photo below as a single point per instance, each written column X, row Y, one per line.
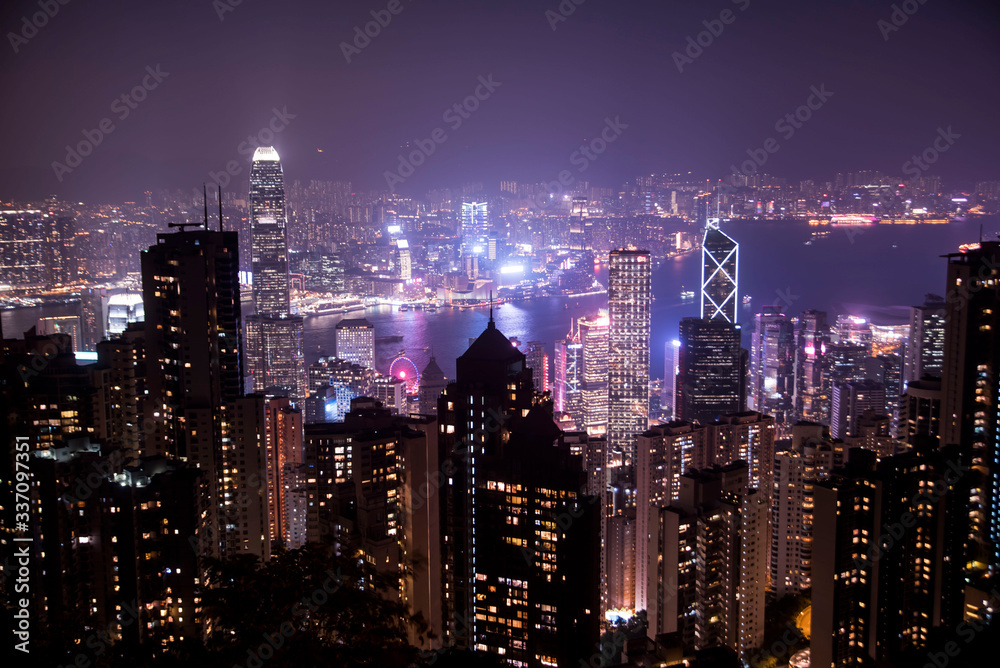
column 36, row 249
column 668, row 398
column 970, row 412
column 708, row 562
column 538, row 360
column 850, row 400
column 893, row 535
column 629, row 297
column 666, row 452
column 511, row 583
column 925, row 353
column 284, row 452
column 920, row 411
column 195, row 406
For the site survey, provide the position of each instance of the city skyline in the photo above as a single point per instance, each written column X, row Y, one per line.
column 524, row 335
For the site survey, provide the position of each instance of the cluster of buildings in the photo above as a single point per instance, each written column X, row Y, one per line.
column 518, row 519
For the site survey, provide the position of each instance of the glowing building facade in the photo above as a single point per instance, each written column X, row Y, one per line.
column 720, row 266
column 629, row 297
column 275, row 362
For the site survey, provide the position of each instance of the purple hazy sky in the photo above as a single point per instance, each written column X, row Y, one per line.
column 892, row 89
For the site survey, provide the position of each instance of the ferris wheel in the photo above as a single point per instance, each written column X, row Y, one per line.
column 404, row 369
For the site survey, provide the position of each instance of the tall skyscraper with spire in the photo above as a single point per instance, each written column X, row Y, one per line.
column 629, row 293
column 275, row 362
column 720, row 264
column 269, row 245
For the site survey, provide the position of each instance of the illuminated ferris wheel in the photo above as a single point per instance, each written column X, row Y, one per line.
column 404, row 369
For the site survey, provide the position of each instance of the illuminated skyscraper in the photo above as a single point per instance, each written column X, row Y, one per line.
column 275, row 362
column 355, row 341
column 772, row 366
column 812, row 395
column 629, row 295
column 569, row 377
column 269, row 247
column 668, row 399
column 720, row 266
column 475, row 225
column 594, row 339
column 538, row 360
column 711, row 377
column 925, row 353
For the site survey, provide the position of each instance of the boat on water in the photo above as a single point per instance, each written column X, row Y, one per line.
column 404, row 307
column 747, row 299
column 431, row 308
column 686, row 294
column 852, row 220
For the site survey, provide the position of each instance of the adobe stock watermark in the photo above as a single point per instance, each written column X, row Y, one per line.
column 780, row 648
column 901, row 13
column 100, row 640
column 30, row 25
column 914, row 168
column 454, row 116
column 894, row 532
column 786, row 126
column 714, row 28
column 967, row 631
column 264, row 137
column 223, row 7
column 960, row 294
column 918, row 164
column 273, row 642
column 581, row 158
column 122, row 106
column 566, row 9
column 363, row 36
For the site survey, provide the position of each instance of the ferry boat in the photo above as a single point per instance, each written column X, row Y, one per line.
column 852, row 220
column 747, row 299
column 687, row 295
column 404, row 307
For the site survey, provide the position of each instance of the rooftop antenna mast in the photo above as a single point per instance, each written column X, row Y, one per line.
column 220, row 207
column 492, row 325
column 183, row 226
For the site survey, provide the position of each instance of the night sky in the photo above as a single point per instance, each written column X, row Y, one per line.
column 606, row 60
